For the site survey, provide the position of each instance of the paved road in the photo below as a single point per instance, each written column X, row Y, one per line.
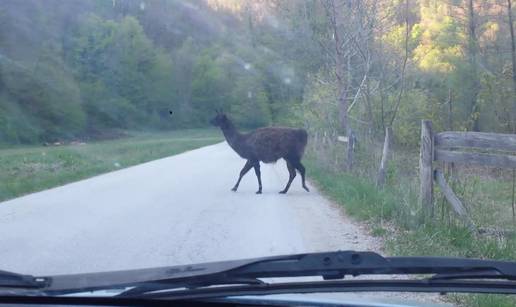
column 170, row 211
column 175, row 210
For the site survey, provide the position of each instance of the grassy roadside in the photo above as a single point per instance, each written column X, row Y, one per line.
column 394, row 215
column 29, row 169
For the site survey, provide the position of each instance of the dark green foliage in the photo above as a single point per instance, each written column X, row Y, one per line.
column 43, row 102
column 124, row 79
column 71, row 69
column 209, row 89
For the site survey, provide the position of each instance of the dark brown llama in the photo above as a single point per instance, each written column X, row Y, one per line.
column 267, row 145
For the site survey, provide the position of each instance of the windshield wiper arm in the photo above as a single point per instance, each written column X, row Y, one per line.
column 336, row 265
column 330, row 265
column 15, row 280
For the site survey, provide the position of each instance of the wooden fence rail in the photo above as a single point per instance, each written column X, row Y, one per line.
column 497, row 141
column 459, row 147
column 502, row 161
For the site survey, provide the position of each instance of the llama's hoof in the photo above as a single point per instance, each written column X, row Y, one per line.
column 234, row 189
column 306, row 189
column 283, row 192
column 259, row 192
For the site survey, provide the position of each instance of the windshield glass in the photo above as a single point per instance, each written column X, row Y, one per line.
column 139, row 134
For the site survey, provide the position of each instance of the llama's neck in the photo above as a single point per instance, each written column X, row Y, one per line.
column 233, row 137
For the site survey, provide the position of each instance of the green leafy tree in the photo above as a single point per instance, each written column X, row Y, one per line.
column 209, row 88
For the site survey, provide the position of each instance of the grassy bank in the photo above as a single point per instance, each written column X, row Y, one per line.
column 29, row 169
column 393, row 213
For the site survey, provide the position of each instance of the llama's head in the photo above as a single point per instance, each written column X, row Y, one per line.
column 220, row 119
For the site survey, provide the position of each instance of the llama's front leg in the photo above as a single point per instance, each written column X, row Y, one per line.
column 244, row 171
column 301, row 169
column 292, row 175
column 259, row 176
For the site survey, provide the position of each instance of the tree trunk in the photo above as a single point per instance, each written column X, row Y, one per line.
column 404, row 65
column 472, row 52
column 343, row 109
column 381, row 82
column 339, row 71
column 341, row 82
column 513, row 53
column 369, row 107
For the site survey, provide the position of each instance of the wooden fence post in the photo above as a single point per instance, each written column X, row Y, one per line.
column 351, row 148
column 426, row 173
column 380, row 179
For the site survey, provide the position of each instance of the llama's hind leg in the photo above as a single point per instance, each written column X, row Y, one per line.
column 258, row 175
column 297, row 164
column 292, row 175
column 244, row 171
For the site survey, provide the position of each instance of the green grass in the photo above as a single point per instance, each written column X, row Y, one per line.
column 396, row 207
column 359, row 197
column 487, row 199
column 27, row 169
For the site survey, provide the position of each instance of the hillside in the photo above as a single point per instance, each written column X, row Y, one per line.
column 80, row 68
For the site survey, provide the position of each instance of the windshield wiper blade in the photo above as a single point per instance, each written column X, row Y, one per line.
column 226, row 294
column 15, row 280
column 473, row 274
column 336, row 265
column 329, row 265
column 189, row 285
column 335, row 286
